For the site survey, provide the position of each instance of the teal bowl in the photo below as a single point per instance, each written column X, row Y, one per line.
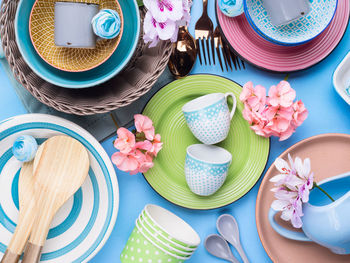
column 85, row 79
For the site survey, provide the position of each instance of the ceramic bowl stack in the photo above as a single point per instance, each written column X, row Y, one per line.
column 160, row 236
column 287, row 22
column 128, row 74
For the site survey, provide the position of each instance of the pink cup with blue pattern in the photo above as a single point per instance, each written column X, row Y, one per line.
column 209, row 117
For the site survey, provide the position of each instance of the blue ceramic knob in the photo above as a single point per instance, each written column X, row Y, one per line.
column 106, row 24
column 231, row 8
column 24, row 148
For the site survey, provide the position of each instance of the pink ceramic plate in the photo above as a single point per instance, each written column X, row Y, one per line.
column 329, row 155
column 258, row 51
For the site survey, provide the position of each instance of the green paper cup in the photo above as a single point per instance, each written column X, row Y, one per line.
column 162, row 236
column 171, row 226
column 140, row 248
column 163, row 243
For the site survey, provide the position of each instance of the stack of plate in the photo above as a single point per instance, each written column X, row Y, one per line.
column 131, row 70
column 295, row 46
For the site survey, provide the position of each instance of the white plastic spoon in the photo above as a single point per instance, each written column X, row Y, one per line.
column 218, row 247
column 228, row 228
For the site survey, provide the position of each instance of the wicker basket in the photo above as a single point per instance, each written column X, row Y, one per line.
column 137, row 78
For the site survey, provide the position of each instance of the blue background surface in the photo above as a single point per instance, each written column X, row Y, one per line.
column 327, row 113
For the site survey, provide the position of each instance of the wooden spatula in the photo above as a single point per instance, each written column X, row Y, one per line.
column 59, row 173
column 25, row 217
column 27, row 212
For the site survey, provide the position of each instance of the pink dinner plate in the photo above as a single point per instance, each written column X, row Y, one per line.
column 262, row 53
column 329, row 155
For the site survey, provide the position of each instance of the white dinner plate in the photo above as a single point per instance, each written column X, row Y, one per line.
column 82, row 226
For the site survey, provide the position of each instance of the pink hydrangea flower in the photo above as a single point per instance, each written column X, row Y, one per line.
column 254, row 97
column 125, row 141
column 125, row 162
column 300, row 113
column 145, row 125
column 157, row 145
column 281, row 95
column 136, row 153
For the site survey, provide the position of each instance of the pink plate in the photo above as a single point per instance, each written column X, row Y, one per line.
column 258, row 51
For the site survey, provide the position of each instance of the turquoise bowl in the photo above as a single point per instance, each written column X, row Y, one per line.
column 297, row 32
column 85, row 79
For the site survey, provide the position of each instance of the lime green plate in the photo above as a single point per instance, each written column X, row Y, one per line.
column 167, row 177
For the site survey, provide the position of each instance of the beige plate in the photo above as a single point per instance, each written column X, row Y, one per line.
column 330, row 155
column 41, row 30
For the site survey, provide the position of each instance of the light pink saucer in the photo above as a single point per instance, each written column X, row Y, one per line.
column 329, row 155
column 262, row 53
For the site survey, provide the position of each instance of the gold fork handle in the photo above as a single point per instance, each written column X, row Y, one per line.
column 205, row 7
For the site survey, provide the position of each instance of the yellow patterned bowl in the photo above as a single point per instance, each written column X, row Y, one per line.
column 41, row 29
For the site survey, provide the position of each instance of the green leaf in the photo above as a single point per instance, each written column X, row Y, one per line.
column 140, row 2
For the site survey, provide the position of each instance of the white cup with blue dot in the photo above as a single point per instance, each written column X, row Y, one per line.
column 206, row 168
column 209, row 117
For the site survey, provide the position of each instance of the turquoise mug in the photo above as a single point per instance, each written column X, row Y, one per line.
column 324, row 222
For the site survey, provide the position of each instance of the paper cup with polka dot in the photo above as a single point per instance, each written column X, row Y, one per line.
column 209, row 117
column 162, row 235
column 140, row 248
column 163, row 245
column 206, row 168
column 161, row 240
column 172, row 226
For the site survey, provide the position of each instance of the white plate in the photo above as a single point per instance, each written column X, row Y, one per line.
column 82, row 226
column 341, row 79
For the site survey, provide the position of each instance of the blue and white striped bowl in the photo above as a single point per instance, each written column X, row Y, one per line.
column 84, row 223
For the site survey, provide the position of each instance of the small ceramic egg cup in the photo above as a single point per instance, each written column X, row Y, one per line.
column 206, row 168
column 209, row 117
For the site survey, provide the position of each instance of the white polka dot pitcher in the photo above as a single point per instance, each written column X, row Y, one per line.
column 209, row 117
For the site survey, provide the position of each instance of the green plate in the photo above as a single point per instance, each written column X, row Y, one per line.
column 167, row 177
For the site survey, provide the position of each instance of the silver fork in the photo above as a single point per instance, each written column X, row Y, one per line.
column 203, row 31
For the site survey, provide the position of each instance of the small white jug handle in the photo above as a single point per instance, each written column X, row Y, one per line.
column 230, row 94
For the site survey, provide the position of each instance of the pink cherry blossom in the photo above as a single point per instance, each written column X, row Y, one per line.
column 300, row 113
column 281, row 95
column 146, row 163
column 163, row 10
column 125, row 141
column 145, row 125
column 144, row 145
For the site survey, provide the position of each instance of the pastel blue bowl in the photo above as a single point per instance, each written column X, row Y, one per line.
column 85, row 79
column 295, row 33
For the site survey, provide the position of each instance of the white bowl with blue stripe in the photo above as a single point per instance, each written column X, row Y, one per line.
column 297, row 32
column 82, row 226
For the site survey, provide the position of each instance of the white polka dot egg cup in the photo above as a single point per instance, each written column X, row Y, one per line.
column 209, row 117
column 206, row 168
column 145, row 244
column 266, row 17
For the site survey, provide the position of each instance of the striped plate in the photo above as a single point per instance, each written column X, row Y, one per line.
column 249, row 151
column 84, row 223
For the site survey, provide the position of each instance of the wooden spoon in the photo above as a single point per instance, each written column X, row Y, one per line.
column 26, row 208
column 60, row 172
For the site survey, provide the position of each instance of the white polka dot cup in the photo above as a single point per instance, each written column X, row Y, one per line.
column 209, row 117
column 144, row 244
column 206, row 168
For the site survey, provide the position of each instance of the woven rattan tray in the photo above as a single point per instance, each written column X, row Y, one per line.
column 137, row 79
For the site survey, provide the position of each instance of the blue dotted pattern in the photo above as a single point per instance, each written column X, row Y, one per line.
column 204, row 178
column 211, row 124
